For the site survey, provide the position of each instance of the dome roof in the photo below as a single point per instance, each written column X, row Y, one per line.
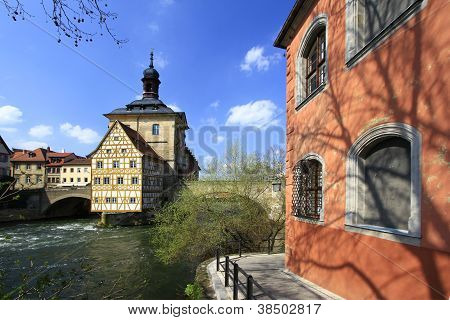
column 151, row 73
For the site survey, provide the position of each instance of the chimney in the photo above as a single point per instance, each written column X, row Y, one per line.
column 63, row 150
column 48, row 148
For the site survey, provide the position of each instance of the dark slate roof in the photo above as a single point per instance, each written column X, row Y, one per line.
column 143, row 106
column 5, row 145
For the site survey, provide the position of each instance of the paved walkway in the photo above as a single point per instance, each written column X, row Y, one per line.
column 270, row 273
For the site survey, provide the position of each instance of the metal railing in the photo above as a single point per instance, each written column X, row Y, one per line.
column 248, row 288
column 266, row 248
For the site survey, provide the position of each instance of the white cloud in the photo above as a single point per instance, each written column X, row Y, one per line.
column 31, row 145
column 255, row 59
column 8, row 130
column 260, row 113
column 154, row 27
column 215, row 104
column 211, row 121
column 174, row 107
column 138, row 97
column 160, row 60
column 83, row 135
column 2, row 97
column 10, row 115
column 40, row 131
column 218, row 138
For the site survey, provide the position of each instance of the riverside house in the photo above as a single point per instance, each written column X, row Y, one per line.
column 367, row 146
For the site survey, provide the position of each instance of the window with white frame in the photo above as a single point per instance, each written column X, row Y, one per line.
column 307, row 193
column 99, row 164
column 132, row 163
column 116, row 164
column 311, row 66
column 132, row 200
column 383, row 181
column 134, row 180
column 370, row 21
column 119, row 180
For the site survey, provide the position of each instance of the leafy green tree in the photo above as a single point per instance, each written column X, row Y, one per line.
column 232, row 204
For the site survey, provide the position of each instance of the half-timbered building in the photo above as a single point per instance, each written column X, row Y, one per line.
column 126, row 173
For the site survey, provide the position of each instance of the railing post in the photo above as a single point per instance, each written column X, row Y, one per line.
column 268, row 246
column 249, row 288
column 227, row 271
column 235, row 282
column 240, row 249
column 218, row 259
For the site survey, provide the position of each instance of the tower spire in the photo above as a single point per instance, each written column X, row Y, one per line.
column 151, row 81
column 151, row 59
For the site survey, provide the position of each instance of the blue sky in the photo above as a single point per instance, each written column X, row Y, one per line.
column 215, row 58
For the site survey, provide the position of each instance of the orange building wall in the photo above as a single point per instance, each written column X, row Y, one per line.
column 405, row 79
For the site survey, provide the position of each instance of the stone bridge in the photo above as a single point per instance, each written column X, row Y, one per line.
column 48, row 203
column 52, row 196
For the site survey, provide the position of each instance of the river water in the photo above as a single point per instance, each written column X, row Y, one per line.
column 73, row 259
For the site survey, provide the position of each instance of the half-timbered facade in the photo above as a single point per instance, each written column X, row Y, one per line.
column 126, row 173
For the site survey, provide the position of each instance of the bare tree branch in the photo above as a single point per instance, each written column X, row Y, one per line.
column 70, row 17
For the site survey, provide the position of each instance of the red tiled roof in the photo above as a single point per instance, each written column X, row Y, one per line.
column 52, row 154
column 38, row 155
column 79, row 161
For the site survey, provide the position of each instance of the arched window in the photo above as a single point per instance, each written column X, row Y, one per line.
column 307, row 194
column 383, row 181
column 312, row 61
column 155, row 129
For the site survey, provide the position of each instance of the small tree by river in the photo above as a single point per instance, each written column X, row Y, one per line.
column 230, row 204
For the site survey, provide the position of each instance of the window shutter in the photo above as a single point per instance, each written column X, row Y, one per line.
column 350, row 32
column 360, row 25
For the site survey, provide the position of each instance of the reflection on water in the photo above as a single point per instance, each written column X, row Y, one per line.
column 116, row 262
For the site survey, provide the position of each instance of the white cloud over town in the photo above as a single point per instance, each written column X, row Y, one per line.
column 160, row 60
column 260, row 113
column 40, row 131
column 83, row 135
column 10, row 115
column 174, row 107
column 218, row 138
column 8, row 130
column 215, row 104
column 256, row 60
column 31, row 145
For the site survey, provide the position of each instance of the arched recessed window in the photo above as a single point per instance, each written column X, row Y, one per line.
column 155, row 129
column 312, row 61
column 383, row 181
column 307, row 194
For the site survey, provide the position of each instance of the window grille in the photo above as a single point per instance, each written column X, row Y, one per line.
column 307, row 189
